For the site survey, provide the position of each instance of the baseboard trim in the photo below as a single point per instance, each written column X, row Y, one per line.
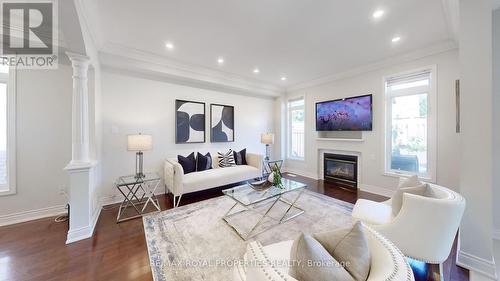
column 376, row 190
column 32, row 215
column 496, row 234
column 477, row 264
column 84, row 232
column 301, row 173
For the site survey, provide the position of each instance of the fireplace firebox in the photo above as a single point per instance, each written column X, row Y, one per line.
column 341, row 170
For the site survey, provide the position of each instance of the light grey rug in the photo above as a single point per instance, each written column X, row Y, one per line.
column 192, row 242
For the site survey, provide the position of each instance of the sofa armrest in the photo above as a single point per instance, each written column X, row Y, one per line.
column 173, row 176
column 254, row 160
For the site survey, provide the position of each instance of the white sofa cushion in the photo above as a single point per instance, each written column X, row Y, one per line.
column 218, row 177
column 373, row 213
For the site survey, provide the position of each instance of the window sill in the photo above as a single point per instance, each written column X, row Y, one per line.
column 296, row 159
column 7, row 192
column 399, row 175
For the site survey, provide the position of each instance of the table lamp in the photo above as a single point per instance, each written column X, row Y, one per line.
column 139, row 143
column 267, row 139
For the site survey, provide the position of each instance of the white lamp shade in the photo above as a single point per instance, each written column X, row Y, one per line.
column 139, row 142
column 267, row 138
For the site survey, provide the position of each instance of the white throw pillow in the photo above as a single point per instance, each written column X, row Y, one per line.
column 407, row 185
column 409, row 181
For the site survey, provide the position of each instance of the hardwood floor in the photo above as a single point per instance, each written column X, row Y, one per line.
column 36, row 250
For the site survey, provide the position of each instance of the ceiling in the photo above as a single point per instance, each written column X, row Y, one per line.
column 302, row 40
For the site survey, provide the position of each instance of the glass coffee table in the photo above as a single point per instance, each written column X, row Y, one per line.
column 248, row 198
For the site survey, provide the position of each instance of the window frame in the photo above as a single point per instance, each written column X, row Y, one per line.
column 289, row 127
column 11, row 80
column 431, row 124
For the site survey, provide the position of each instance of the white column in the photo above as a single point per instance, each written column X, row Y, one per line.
column 83, row 208
column 476, row 172
column 80, row 110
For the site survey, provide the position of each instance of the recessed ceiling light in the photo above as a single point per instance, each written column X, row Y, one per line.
column 256, row 70
column 378, row 14
column 169, row 46
column 283, row 78
column 396, row 39
column 220, row 60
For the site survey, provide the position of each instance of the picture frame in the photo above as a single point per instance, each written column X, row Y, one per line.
column 221, row 123
column 190, row 122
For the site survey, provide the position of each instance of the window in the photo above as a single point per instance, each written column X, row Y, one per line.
column 411, row 123
column 296, row 128
column 7, row 131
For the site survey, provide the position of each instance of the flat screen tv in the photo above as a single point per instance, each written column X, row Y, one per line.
column 349, row 114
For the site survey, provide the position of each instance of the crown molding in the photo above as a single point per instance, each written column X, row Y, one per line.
column 115, row 56
column 418, row 54
column 451, row 10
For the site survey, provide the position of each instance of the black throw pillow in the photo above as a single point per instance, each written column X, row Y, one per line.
column 240, row 157
column 187, row 163
column 203, row 162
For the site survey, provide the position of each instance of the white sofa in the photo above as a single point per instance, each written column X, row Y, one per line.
column 425, row 227
column 387, row 262
column 179, row 183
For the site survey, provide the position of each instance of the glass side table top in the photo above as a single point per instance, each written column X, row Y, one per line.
column 131, row 179
column 246, row 195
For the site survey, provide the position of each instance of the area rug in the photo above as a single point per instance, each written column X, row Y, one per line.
column 194, row 243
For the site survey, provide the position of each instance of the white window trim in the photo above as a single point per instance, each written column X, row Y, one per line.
column 11, row 133
column 431, row 126
column 289, row 129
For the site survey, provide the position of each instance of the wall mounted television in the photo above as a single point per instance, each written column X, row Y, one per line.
column 348, row 114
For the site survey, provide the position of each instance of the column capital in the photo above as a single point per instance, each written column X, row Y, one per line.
column 80, row 64
column 75, row 57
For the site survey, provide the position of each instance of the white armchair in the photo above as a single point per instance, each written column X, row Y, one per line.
column 387, row 262
column 425, row 227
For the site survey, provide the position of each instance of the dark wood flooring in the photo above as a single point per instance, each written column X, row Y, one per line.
column 36, row 250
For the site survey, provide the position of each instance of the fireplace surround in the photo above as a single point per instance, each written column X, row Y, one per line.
column 341, row 170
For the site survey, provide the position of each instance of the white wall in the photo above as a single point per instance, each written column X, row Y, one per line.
column 132, row 104
column 43, row 139
column 496, row 122
column 476, row 172
column 372, row 150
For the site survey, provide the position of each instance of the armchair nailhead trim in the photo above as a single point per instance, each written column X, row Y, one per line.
column 387, row 244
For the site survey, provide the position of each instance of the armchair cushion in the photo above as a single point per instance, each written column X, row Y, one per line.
column 349, row 246
column 397, row 198
column 373, row 213
column 306, row 249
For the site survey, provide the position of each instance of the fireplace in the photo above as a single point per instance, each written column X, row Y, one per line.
column 341, row 170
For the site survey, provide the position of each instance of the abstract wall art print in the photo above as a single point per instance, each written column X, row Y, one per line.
column 221, row 123
column 189, row 121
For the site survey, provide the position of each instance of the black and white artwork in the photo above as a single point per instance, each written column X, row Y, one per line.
column 189, row 121
column 221, row 123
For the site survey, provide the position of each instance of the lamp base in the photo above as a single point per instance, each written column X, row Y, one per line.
column 138, row 165
column 267, row 153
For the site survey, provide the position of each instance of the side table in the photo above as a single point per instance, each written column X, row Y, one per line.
column 267, row 166
column 137, row 192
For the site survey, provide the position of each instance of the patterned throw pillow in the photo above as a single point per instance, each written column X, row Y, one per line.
column 226, row 159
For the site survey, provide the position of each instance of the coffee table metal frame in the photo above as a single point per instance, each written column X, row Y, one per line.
column 137, row 192
column 272, row 202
